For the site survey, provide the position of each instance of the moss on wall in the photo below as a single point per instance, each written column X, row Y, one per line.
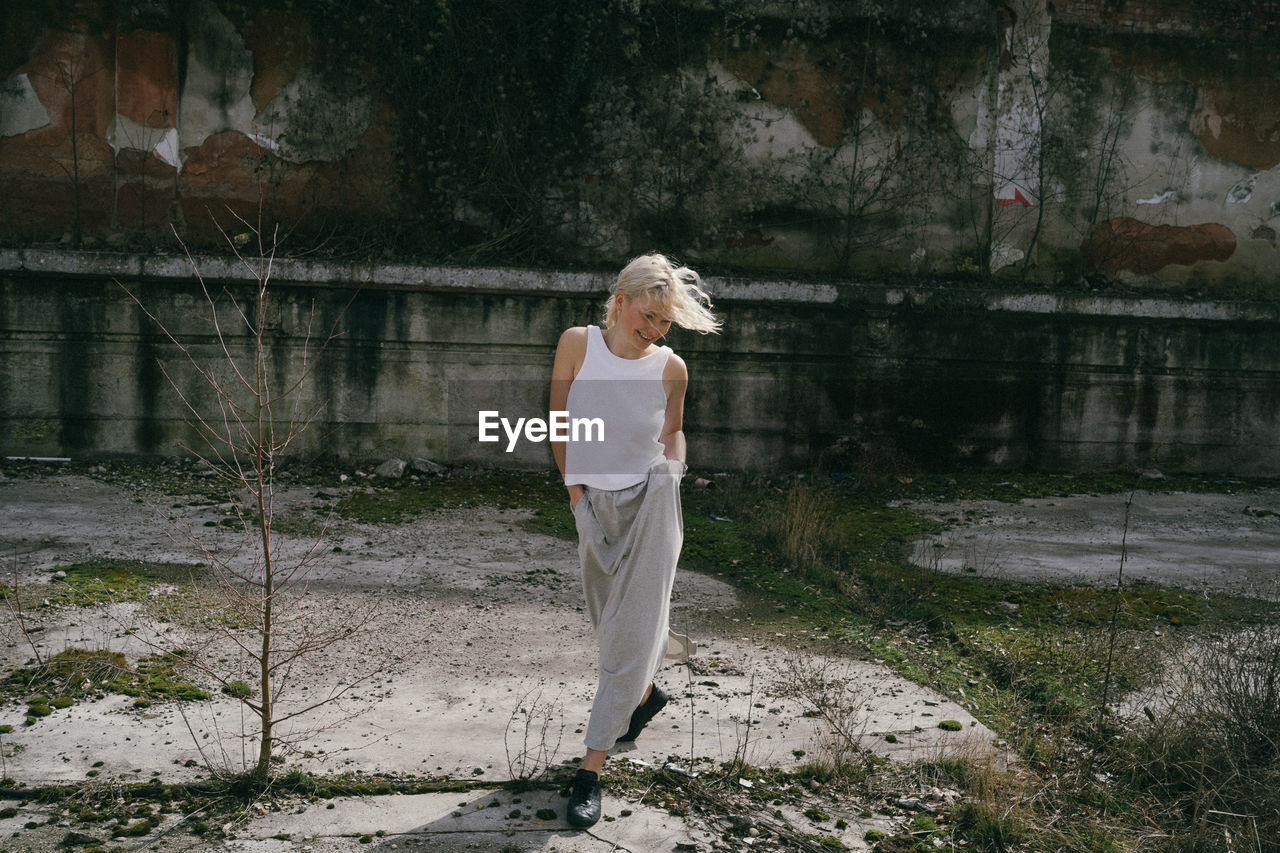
column 818, row 137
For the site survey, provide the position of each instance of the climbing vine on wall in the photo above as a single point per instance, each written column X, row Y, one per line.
column 500, row 124
column 822, row 136
column 548, row 131
column 551, row 130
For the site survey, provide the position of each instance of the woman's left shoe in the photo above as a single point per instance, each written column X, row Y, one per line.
column 648, row 709
column 584, row 799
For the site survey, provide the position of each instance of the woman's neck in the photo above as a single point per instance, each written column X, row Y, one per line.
column 618, row 345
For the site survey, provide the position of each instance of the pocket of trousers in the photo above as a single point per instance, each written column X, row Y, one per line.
column 580, row 512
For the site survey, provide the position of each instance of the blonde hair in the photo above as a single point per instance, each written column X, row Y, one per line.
column 677, row 289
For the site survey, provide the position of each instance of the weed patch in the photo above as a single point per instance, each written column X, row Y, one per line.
column 399, row 501
column 95, row 584
column 104, row 582
column 1029, row 660
column 76, row 674
column 1209, row 761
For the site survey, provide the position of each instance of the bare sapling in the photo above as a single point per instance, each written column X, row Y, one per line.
column 247, row 410
column 1113, row 627
column 72, row 72
column 742, row 749
column 13, row 603
column 539, row 725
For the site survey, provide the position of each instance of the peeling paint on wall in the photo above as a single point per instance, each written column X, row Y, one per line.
column 146, row 78
column 792, row 80
column 1242, row 192
column 1241, row 124
column 138, row 126
column 306, row 119
column 161, row 142
column 779, row 133
column 832, row 84
column 219, row 153
column 1126, row 244
column 20, row 107
column 1023, row 68
column 1003, row 255
column 263, row 114
column 280, row 43
column 309, row 120
column 1235, row 112
column 1158, row 198
column 215, row 93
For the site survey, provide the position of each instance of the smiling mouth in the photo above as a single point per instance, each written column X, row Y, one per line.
column 645, row 338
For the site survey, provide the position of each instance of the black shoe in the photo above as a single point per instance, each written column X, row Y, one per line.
column 584, row 799
column 648, row 709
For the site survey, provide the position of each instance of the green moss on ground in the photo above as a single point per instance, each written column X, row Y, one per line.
column 400, row 501
column 1015, row 654
column 102, row 582
column 76, row 674
column 1005, row 649
column 826, row 557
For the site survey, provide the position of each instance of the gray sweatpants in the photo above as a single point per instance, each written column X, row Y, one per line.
column 629, row 541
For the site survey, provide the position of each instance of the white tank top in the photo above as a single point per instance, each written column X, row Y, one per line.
column 628, row 398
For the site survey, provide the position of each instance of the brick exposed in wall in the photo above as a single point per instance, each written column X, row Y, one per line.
column 1127, row 244
column 280, row 43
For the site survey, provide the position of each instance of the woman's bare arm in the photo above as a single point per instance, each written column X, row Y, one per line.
column 675, row 380
column 570, row 353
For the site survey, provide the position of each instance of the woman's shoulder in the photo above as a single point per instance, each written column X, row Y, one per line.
column 675, row 368
column 571, row 351
column 574, row 338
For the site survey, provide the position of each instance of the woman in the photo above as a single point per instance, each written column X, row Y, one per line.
column 624, row 488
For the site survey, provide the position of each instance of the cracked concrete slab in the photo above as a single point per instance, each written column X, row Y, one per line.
column 493, row 663
column 489, row 675
column 468, row 821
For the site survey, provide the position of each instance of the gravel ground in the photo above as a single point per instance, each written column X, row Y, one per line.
column 474, row 659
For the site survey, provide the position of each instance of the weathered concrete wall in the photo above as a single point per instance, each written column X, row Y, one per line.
column 1045, row 141
column 1177, row 183
column 119, row 128
column 804, row 374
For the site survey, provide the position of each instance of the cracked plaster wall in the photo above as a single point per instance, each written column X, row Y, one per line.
column 211, row 112
column 20, row 107
column 182, row 121
column 1201, row 153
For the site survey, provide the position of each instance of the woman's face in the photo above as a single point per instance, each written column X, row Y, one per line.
column 642, row 320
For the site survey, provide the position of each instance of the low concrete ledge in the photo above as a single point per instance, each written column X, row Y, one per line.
column 1147, row 307
column 287, row 271
column 421, row 277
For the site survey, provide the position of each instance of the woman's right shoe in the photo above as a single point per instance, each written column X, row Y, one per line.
column 648, row 709
column 584, row 799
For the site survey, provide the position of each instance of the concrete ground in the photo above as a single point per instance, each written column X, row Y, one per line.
column 1212, row 542
column 477, row 664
